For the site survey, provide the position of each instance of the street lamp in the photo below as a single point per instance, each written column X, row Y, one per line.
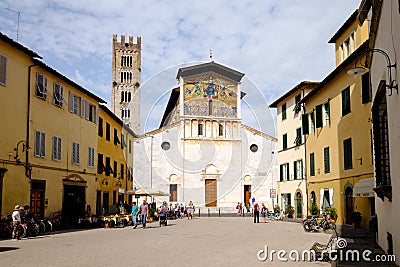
column 357, row 70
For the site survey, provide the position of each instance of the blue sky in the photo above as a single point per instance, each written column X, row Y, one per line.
column 275, row 43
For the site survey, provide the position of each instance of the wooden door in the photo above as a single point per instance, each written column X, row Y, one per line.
column 247, row 194
column 211, row 192
column 349, row 204
column 37, row 202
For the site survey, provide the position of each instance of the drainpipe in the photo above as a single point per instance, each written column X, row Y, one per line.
column 305, row 160
column 28, row 172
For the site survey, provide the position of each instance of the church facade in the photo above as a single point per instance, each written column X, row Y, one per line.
column 202, row 152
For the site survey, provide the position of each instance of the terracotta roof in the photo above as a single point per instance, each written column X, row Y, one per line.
column 19, row 46
column 210, row 66
column 291, row 91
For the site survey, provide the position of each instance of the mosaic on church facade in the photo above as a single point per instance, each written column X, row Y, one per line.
column 210, row 96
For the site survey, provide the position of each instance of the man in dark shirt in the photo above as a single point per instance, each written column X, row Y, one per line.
column 256, row 210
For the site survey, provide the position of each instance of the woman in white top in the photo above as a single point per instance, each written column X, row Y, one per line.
column 16, row 218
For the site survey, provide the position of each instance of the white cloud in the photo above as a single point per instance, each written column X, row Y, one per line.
column 276, row 43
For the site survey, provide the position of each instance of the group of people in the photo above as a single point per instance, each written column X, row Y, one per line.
column 19, row 214
column 241, row 209
column 177, row 211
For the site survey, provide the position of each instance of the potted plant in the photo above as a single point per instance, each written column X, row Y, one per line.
column 152, row 211
column 332, row 213
column 356, row 219
column 289, row 210
column 314, row 209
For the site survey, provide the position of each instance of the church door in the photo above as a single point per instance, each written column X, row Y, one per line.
column 211, row 192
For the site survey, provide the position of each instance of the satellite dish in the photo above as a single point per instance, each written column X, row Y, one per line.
column 355, row 71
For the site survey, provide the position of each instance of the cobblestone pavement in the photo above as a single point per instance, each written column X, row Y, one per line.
column 199, row 242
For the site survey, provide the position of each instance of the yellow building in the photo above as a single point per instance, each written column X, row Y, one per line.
column 337, row 127
column 115, row 162
column 56, row 119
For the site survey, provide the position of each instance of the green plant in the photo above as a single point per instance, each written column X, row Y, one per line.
column 137, row 84
column 332, row 212
column 151, row 212
column 114, row 83
column 314, row 209
column 289, row 210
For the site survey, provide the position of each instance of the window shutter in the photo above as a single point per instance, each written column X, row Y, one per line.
column 44, row 86
column 287, row 172
column 96, row 115
column 3, row 69
column 71, row 102
column 327, row 113
column 281, row 173
column 59, row 148
column 305, row 125
column 82, row 107
column 295, row 170
column 37, row 143
column 366, row 88
column 331, row 197
column 54, row 148
column 43, row 145
column 321, row 198
column 87, row 107
column 326, row 160
column 312, row 166
column 318, row 110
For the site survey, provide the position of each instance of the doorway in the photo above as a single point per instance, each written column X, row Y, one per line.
column 98, row 203
column 37, row 198
column 247, row 194
column 106, row 202
column 211, row 192
column 299, row 205
column 348, row 202
column 73, row 204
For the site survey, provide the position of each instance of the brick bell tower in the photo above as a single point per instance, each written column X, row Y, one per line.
column 126, row 73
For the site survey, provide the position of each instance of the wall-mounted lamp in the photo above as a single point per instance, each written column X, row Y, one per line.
column 358, row 70
column 360, row 159
column 25, row 147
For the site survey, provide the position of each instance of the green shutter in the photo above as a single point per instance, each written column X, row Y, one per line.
column 284, row 141
column 366, row 91
column 281, row 173
column 318, row 110
column 295, row 170
column 326, row 160
column 312, row 165
column 346, row 101
column 304, row 119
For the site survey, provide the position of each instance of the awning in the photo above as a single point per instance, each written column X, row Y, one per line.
column 147, row 192
column 364, row 188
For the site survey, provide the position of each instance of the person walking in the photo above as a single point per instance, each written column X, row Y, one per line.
column 144, row 212
column 190, row 210
column 264, row 212
column 16, row 218
column 135, row 210
column 256, row 213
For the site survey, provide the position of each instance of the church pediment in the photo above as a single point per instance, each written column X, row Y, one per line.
column 210, row 67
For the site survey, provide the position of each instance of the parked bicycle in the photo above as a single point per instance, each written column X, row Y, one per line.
column 313, row 224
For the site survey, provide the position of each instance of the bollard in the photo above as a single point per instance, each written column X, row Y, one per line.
column 199, row 212
column 219, row 212
column 208, row 212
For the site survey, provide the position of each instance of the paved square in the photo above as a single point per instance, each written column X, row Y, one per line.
column 200, row 242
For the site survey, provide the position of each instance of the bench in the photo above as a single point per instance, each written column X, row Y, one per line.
column 322, row 251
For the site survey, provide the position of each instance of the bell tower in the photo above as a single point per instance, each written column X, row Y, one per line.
column 126, row 73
